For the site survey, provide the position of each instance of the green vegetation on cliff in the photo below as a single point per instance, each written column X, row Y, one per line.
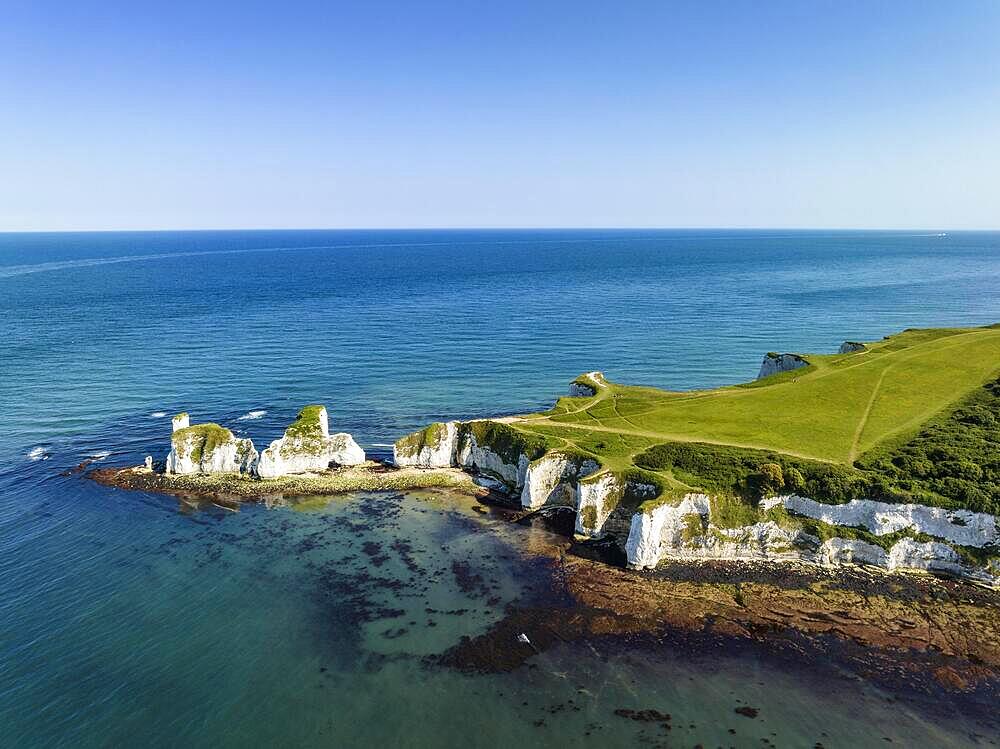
column 506, row 441
column 200, row 439
column 430, row 436
column 307, row 424
column 914, row 417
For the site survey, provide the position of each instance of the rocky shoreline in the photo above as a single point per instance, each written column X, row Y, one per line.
column 229, row 488
column 921, row 634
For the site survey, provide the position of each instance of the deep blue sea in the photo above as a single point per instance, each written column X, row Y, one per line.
column 127, row 620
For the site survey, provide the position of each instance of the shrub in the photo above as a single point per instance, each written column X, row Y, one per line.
column 771, row 478
column 794, row 479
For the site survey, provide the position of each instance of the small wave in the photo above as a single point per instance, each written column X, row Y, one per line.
column 382, row 444
column 38, row 453
column 101, row 455
column 251, row 415
column 157, row 414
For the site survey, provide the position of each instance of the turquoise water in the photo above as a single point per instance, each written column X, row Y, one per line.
column 127, row 621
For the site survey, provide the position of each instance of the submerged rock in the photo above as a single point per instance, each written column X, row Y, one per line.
column 308, row 446
column 774, row 363
column 208, row 448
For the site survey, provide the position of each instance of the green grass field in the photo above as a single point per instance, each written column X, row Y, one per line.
column 832, row 413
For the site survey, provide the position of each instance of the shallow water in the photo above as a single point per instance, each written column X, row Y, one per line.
column 124, row 620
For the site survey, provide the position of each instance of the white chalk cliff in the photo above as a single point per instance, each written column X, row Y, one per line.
column 456, row 444
column 962, row 527
column 307, row 445
column 684, row 531
column 552, row 480
column 433, row 447
column 484, row 459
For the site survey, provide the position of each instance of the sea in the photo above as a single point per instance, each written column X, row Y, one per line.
column 131, row 619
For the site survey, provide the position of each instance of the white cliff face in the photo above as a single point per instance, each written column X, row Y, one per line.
column 838, row 551
column 962, row 527
column 596, row 498
column 208, row 448
column 180, row 421
column 905, row 554
column 552, row 480
column 455, row 444
column 481, row 458
column 663, row 526
column 684, row 532
column 434, row 447
column 773, row 364
column 850, row 347
column 308, row 446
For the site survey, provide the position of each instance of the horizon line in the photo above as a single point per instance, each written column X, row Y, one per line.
column 937, row 229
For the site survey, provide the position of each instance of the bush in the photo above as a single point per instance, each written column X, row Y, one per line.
column 771, row 478
column 794, row 480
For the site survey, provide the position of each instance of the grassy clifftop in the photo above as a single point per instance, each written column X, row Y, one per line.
column 916, row 415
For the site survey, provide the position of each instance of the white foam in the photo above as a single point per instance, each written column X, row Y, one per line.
column 38, row 453
column 382, row 444
column 251, row 415
column 157, row 414
column 101, row 455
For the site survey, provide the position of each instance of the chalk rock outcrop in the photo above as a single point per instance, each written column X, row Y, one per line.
column 487, row 447
column 597, row 496
column 180, row 421
column 685, row 531
column 962, row 527
column 774, row 363
column 665, row 523
column 551, row 480
column 208, row 448
column 587, row 385
column 308, row 446
column 508, row 465
column 851, row 347
column 905, row 554
column 432, row 447
column 603, row 502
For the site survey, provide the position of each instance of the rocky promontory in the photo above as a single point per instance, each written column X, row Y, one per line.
column 652, row 522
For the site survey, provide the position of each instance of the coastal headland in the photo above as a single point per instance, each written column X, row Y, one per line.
column 883, row 454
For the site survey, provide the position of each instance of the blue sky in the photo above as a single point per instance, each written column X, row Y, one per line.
column 131, row 115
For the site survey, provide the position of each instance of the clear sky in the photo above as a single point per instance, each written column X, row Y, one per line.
column 130, row 115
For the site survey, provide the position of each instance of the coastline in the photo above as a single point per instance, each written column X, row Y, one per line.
column 896, row 628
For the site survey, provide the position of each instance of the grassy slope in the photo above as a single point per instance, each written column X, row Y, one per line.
column 837, row 409
column 834, row 411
